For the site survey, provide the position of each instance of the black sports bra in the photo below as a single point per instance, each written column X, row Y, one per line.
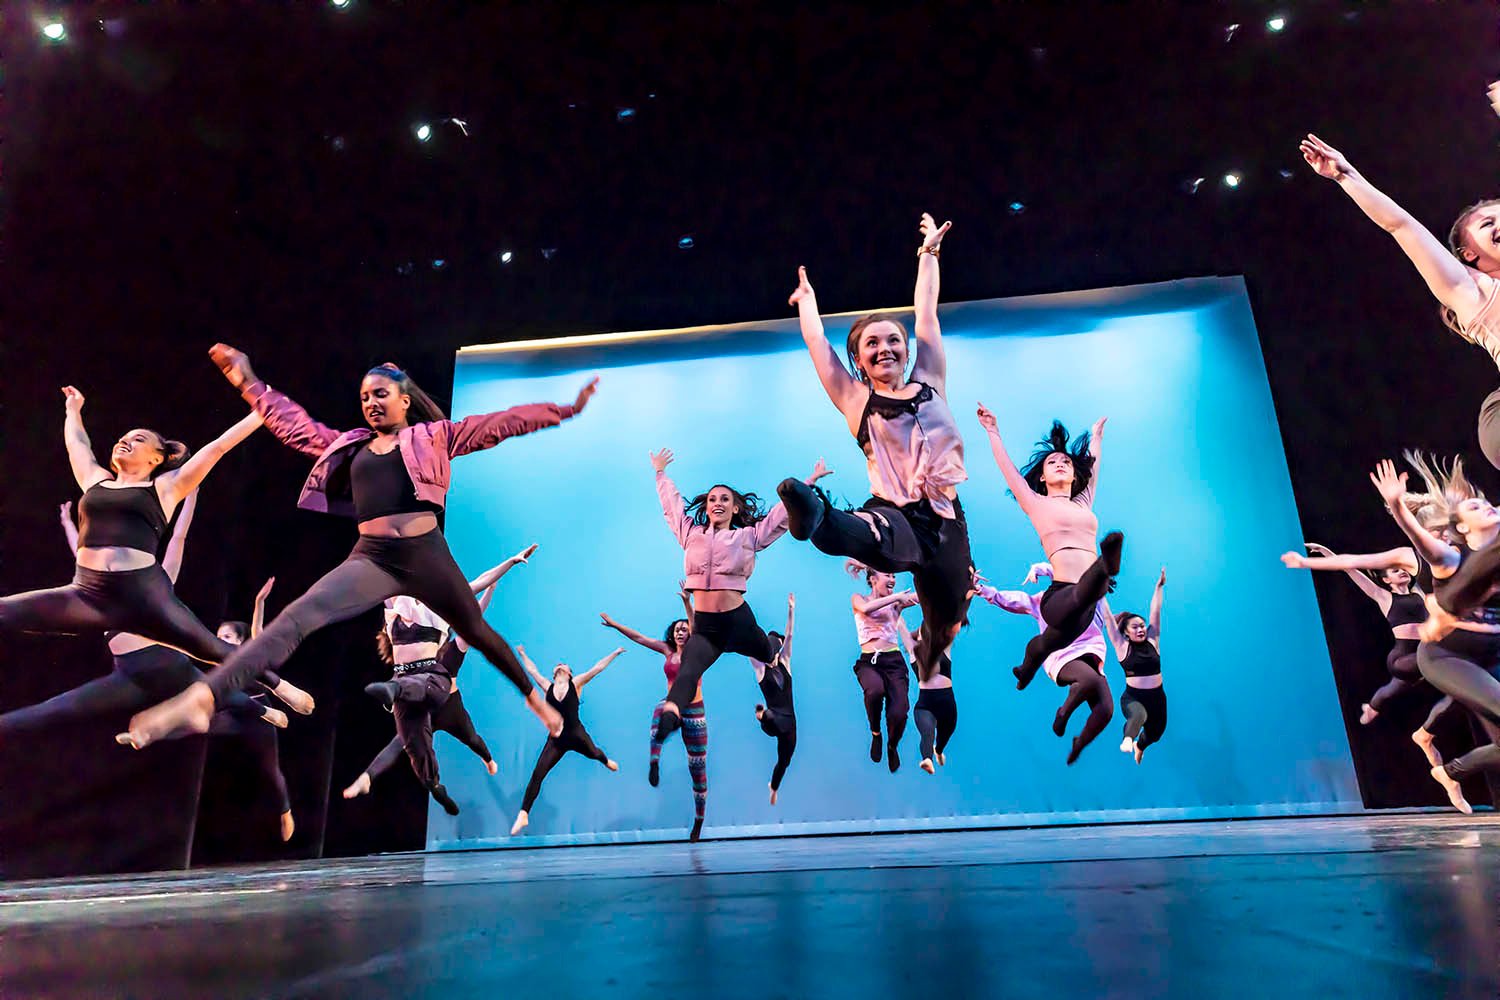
column 1143, row 660
column 129, row 517
column 381, row 486
column 405, row 633
column 1407, row 609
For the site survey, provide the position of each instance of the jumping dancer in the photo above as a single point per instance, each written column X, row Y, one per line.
column 1461, row 276
column 1056, row 491
column 393, row 477
column 936, row 711
column 237, row 633
column 694, row 717
column 1137, row 643
column 143, row 671
column 778, row 716
column 720, row 532
column 573, row 736
column 880, row 668
column 1078, row 666
column 913, row 521
column 118, row 585
column 415, row 642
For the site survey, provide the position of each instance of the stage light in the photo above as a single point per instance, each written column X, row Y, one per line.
column 424, row 132
column 1285, row 174
column 548, row 253
column 1276, row 23
column 506, row 256
column 338, row 143
column 1229, row 32
column 1232, row 180
column 463, row 126
column 340, row 3
column 624, row 114
column 685, row 243
column 438, row 263
column 54, row 31
column 405, row 269
column 1192, row 184
column 1015, row 208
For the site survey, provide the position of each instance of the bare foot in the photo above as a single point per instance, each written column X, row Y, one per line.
column 1455, row 792
column 773, row 795
column 295, row 698
column 287, row 826
column 1439, row 622
column 1140, row 752
column 522, row 821
column 359, row 786
column 275, row 717
column 492, row 767
column 1367, row 715
column 1424, row 739
column 926, row 765
column 188, row 712
column 549, row 715
column 612, row 765
column 942, row 760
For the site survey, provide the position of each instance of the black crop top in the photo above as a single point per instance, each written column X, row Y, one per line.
column 567, row 707
column 1143, row 660
column 1407, row 609
column 129, row 517
column 405, row 633
column 381, row 486
column 776, row 688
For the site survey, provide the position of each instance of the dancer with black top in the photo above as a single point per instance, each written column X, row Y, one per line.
column 720, row 532
column 1137, row 643
column 1056, row 491
column 573, row 738
column 393, row 477
column 778, row 716
column 913, row 521
column 880, row 668
column 936, row 711
column 237, row 633
column 118, row 585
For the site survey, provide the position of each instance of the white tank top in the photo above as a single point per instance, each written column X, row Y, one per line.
column 878, row 626
column 913, row 449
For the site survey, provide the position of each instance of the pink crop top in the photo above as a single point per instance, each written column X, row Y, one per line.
column 913, row 450
column 716, row 560
column 1061, row 523
column 879, row 626
column 1484, row 329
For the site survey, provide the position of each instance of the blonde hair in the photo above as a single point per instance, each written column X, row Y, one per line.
column 1447, row 487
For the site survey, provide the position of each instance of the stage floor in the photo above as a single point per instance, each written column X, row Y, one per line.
column 1368, row 907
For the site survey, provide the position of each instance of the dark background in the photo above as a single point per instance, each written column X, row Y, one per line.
column 249, row 173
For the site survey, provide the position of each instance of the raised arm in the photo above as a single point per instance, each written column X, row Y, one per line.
column 173, row 486
column 486, row 580
column 932, row 362
column 640, row 639
column 670, row 498
column 485, row 430
column 1014, row 481
column 291, row 424
column 1153, row 619
column 1116, row 637
column 86, row 468
column 258, row 613
column 536, row 675
column 791, row 617
column 597, row 668
column 70, row 530
column 1392, row 486
column 1096, row 449
column 846, row 392
column 1449, row 280
column 171, row 560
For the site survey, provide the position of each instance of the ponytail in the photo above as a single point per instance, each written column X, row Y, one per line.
column 423, row 408
column 384, row 649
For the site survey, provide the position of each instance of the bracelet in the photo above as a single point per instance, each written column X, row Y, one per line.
column 935, row 250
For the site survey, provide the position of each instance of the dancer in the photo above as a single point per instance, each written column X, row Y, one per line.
column 573, row 736
column 778, row 716
column 694, row 717
column 118, row 584
column 1462, row 276
column 143, row 671
column 720, row 532
column 1078, row 666
column 1460, row 649
column 237, row 633
column 913, row 521
column 1056, row 491
column 416, row 642
column 936, row 711
column 880, row 668
column 1137, row 643
column 393, row 477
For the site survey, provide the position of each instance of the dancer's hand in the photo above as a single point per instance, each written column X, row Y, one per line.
column 66, row 512
column 1494, row 92
column 803, row 290
column 234, row 364
column 932, row 233
column 987, row 419
column 606, row 620
column 1294, row 560
column 976, row 578
column 791, row 602
column 682, row 591
column 72, row 400
column 1097, row 431
column 1325, row 160
column 265, row 590
column 524, row 554
column 819, row 471
column 1391, row 486
column 1037, row 571
column 907, row 598
column 661, row 459
column 585, row 394
column 1161, row 581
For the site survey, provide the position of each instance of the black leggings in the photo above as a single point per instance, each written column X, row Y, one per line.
column 1401, row 664
column 937, row 718
column 1466, row 665
column 139, row 678
column 377, row 568
column 1085, row 683
column 911, row 539
column 783, row 726
column 418, row 696
column 452, row 718
column 882, row 677
column 140, row 601
column 262, row 741
column 714, row 633
column 1068, row 609
column 1145, row 714
column 575, row 740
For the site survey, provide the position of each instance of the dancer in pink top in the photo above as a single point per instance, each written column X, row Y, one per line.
column 881, row 669
column 1056, row 491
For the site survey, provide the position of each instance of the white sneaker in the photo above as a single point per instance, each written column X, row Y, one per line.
column 1127, row 745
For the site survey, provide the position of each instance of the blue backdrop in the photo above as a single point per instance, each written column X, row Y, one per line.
column 1193, row 472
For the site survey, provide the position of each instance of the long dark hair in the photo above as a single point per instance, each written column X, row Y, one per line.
column 1123, row 618
column 851, row 345
column 1455, row 246
column 1056, row 442
column 423, row 409
column 750, row 512
column 670, row 637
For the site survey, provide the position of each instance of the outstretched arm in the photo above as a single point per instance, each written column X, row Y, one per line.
column 86, row 468
column 485, row 430
column 1353, row 565
column 640, row 639
column 258, row 613
column 1116, row 637
column 1096, row 449
column 70, row 530
column 171, row 560
column 786, row 646
column 174, row 485
column 670, row 497
column 1153, row 620
column 531, row 669
column 1449, row 280
column 932, row 361
column 290, row 423
column 1014, row 481
column 488, row 579
column 1392, row 487
column 597, row 668
column 843, row 389
column 905, row 598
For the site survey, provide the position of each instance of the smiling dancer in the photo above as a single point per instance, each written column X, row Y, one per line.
column 393, row 477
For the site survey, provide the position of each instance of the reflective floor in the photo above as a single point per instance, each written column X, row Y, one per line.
column 1391, row 906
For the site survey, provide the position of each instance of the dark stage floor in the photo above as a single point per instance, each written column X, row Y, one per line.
column 1392, row 906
